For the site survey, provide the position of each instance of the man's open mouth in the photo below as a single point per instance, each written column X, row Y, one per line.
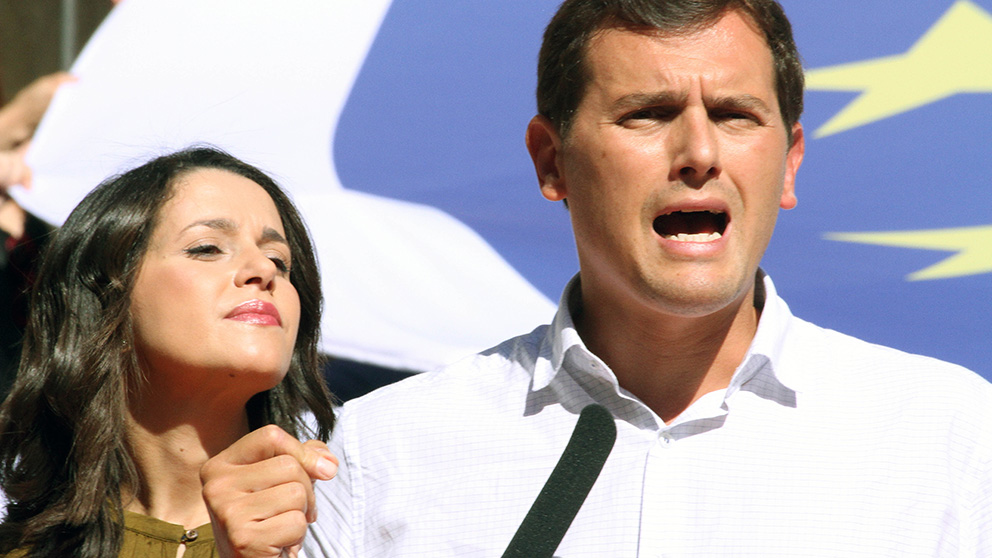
column 691, row 226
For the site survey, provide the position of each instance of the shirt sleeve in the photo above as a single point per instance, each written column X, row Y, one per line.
column 981, row 512
column 333, row 535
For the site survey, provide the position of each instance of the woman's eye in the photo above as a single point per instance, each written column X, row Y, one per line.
column 203, row 250
column 281, row 264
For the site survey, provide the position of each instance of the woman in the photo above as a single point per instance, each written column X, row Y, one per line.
column 176, row 310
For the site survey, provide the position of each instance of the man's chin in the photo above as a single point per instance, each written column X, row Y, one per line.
column 699, row 298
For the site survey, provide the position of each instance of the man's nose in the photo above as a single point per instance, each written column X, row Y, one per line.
column 695, row 148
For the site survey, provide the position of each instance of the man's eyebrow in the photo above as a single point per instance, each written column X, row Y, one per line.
column 742, row 102
column 671, row 98
column 638, row 100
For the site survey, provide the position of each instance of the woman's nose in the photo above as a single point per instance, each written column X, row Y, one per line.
column 256, row 269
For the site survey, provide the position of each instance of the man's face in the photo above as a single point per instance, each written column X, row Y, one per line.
column 675, row 166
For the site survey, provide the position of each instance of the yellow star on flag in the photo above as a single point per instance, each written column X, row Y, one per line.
column 953, row 56
column 973, row 247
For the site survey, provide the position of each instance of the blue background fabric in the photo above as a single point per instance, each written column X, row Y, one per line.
column 438, row 113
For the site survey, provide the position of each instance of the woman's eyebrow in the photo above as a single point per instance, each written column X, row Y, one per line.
column 228, row 226
column 271, row 235
column 225, row 225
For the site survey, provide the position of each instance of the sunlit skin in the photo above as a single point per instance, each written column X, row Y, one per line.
column 215, row 321
column 213, row 307
column 672, row 124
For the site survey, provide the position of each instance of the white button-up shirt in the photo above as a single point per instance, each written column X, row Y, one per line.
column 822, row 445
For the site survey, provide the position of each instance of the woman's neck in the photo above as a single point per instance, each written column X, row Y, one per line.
column 168, row 449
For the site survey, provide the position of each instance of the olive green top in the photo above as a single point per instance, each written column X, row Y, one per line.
column 147, row 537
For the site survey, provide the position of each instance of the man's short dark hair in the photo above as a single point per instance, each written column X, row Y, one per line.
column 562, row 74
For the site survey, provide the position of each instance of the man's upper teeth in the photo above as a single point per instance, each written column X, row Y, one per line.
column 698, row 237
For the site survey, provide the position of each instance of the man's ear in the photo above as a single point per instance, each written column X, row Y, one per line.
column 544, row 145
column 793, row 159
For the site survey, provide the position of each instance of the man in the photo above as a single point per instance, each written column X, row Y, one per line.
column 670, row 128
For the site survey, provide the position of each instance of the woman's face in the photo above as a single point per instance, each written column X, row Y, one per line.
column 212, row 305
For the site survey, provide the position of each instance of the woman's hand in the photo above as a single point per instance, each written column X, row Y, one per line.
column 259, row 493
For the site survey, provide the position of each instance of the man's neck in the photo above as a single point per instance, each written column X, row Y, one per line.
column 667, row 361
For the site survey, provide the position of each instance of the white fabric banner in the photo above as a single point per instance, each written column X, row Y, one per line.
column 405, row 285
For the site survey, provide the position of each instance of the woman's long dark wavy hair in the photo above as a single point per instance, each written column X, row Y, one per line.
column 64, row 453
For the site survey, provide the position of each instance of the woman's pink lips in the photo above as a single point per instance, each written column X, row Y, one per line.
column 256, row 312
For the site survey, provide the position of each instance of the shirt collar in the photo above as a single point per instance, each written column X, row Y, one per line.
column 561, row 336
column 770, row 339
column 762, row 359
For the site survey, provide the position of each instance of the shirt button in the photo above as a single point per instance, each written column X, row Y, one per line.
column 189, row 536
column 665, row 438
